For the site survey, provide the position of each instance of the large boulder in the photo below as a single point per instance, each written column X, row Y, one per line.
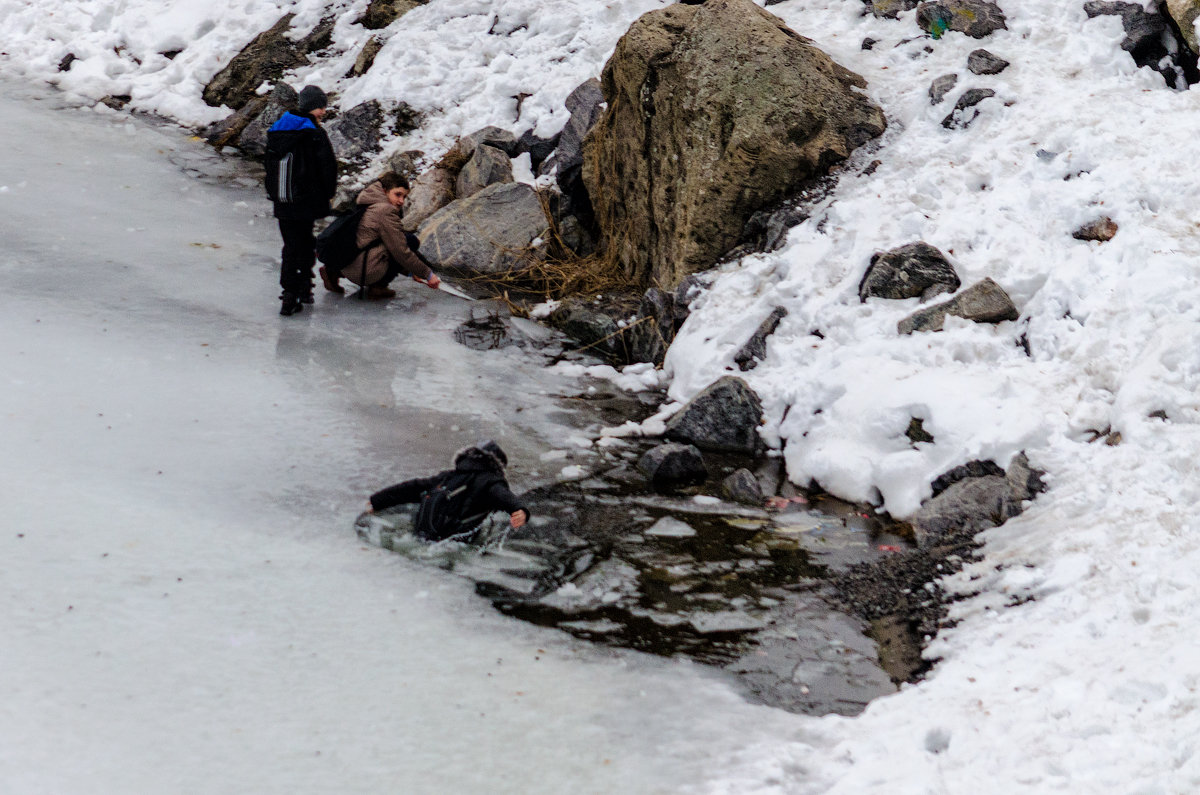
column 723, row 418
column 488, row 233
column 964, row 509
column 1149, row 39
column 430, row 192
column 985, row 302
column 264, row 59
column 1185, row 12
column 714, row 111
column 917, row 270
column 487, row 166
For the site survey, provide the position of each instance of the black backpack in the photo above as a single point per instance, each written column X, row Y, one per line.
column 337, row 245
column 290, row 170
column 439, row 513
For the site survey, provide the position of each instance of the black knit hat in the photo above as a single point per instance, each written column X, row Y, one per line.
column 312, row 98
column 493, row 449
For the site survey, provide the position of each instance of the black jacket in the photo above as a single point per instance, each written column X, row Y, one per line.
column 488, row 490
column 316, row 182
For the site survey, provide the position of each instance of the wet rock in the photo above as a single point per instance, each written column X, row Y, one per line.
column 1101, row 230
column 964, row 509
column 755, row 349
column 366, row 58
column 430, row 192
column 264, row 59
column 653, row 327
column 758, row 106
column 253, row 138
column 940, row 87
column 976, row 18
column 916, row 270
column 724, row 417
column 487, row 166
column 890, row 9
column 965, row 110
column 356, row 133
column 982, row 62
column 672, row 465
column 226, row 131
column 985, row 302
column 742, row 486
column 490, row 232
column 592, row 329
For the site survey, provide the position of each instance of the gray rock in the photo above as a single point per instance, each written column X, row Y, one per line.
column 1149, row 38
column 702, row 97
column 253, row 139
column 406, row 118
column 538, row 148
column 742, row 487
column 487, row 166
column 575, row 237
column 465, row 147
column 976, row 18
column 910, row 271
column 687, row 291
column 653, row 327
column 672, row 465
column 405, row 163
column 965, row 110
column 982, row 62
column 430, row 192
column 586, row 106
column 890, row 9
column 356, row 133
column 985, row 302
column 755, row 349
column 940, row 87
column 490, row 232
column 1101, row 230
column 971, row 469
column 964, row 509
column 724, row 417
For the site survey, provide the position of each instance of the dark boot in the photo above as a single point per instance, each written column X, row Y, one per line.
column 290, row 305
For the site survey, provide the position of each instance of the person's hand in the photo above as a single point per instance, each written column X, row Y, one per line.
column 517, row 518
column 370, row 507
column 433, row 281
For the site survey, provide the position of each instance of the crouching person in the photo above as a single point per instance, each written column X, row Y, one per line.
column 455, row 502
column 386, row 253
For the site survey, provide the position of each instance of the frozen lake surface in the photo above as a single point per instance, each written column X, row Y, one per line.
column 186, row 607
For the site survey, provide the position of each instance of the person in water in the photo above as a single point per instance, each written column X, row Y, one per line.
column 456, row 501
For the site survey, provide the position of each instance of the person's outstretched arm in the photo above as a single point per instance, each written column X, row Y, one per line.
column 401, row 493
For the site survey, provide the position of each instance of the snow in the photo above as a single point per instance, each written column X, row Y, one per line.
column 1070, row 666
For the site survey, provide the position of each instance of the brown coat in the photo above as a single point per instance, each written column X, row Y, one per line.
column 381, row 224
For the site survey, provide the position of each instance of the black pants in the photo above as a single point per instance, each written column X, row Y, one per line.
column 299, row 255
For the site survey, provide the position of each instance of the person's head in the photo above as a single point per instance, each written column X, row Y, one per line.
column 312, row 102
column 396, row 187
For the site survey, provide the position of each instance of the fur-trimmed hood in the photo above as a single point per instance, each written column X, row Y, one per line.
column 486, row 457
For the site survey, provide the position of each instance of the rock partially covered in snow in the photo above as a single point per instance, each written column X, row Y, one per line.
column 724, row 417
column 890, row 9
column 755, row 349
column 253, row 138
column 917, row 270
column 1101, row 230
column 263, row 60
column 965, row 111
column 965, row 509
column 745, row 112
column 490, row 232
column 672, row 464
column 355, row 133
column 982, row 62
column 940, row 87
column 985, row 302
column 976, row 18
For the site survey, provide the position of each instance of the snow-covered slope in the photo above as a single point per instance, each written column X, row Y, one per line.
column 1091, row 685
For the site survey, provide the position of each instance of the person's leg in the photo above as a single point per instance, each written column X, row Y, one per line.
column 298, row 257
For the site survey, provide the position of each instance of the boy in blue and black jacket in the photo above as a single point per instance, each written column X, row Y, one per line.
column 301, row 180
